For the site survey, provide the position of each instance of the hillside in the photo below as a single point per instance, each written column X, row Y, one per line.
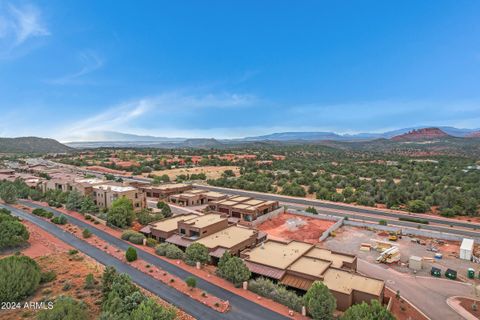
column 421, row 135
column 32, row 145
column 475, row 134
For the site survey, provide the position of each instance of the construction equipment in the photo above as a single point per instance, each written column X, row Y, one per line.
column 393, row 237
column 389, row 256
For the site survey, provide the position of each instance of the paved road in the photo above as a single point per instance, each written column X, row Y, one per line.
column 427, row 293
column 352, row 212
column 241, row 308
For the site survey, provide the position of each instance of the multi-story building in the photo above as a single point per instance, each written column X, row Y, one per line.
column 164, row 190
column 196, row 197
column 243, row 208
column 105, row 194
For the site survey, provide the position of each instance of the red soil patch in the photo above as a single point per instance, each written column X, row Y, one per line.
column 42, row 243
column 107, row 170
column 467, row 303
column 401, row 309
column 309, row 232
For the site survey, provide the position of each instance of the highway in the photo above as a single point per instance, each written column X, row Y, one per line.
column 440, row 224
column 241, row 308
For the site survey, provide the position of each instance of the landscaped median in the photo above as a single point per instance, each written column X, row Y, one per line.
column 155, row 272
column 206, row 273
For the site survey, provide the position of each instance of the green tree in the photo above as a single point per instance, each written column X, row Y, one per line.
column 233, row 269
column 191, row 282
column 19, row 277
column 88, row 206
column 417, row 206
column 8, row 193
column 150, row 310
column 320, row 302
column 74, row 201
column 121, row 213
column 12, row 233
column 196, row 252
column 131, row 254
column 65, row 308
column 365, row 311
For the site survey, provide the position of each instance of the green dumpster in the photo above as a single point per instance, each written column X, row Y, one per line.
column 471, row 273
column 436, row 272
column 451, row 274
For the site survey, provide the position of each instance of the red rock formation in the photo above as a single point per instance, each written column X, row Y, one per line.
column 421, row 134
column 475, row 134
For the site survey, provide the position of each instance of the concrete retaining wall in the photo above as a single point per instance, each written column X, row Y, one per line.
column 332, row 228
column 263, row 218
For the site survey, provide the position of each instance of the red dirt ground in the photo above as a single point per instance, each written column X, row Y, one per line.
column 401, row 309
column 467, row 305
column 276, row 228
column 42, row 243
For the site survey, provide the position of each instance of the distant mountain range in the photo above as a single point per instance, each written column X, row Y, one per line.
column 447, row 138
column 32, row 145
column 118, row 139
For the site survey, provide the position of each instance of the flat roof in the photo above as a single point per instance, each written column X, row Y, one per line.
column 467, row 244
column 169, row 186
column 310, row 266
column 205, row 220
column 214, row 194
column 171, row 224
column 343, row 281
column 278, row 254
column 337, row 259
column 90, row 180
column 253, row 202
column 227, row 238
column 115, row 188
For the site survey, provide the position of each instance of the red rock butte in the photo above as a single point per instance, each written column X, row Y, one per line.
column 421, row 134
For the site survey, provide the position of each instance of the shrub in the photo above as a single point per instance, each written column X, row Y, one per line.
column 42, row 213
column 266, row 288
column 133, row 236
column 368, row 311
column 151, row 242
column 191, row 282
column 418, row 206
column 72, row 252
column 86, row 233
column 12, row 232
column 161, row 249
column 61, row 219
column 89, row 281
column 174, row 252
column 131, row 254
column 65, row 308
column 47, row 276
column 311, row 210
column 382, row 222
column 196, row 252
column 19, row 277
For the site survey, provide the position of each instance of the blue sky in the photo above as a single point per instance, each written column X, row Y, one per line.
column 70, row 69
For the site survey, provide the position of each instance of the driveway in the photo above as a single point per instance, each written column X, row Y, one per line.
column 241, row 308
column 427, row 293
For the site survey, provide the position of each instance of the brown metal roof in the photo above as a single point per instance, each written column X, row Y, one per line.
column 218, row 253
column 293, row 281
column 266, row 271
column 178, row 240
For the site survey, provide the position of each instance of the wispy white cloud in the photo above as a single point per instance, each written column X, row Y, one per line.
column 19, row 24
column 126, row 115
column 90, row 62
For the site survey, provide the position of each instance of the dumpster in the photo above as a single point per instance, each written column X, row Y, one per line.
column 471, row 273
column 451, row 274
column 436, row 272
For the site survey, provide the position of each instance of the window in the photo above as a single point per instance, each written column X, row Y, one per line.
column 182, row 231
